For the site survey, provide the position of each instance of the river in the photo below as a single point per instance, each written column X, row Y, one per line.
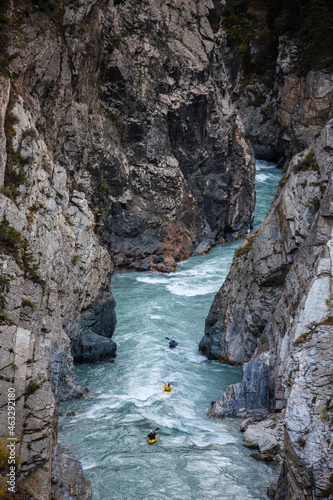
column 194, row 458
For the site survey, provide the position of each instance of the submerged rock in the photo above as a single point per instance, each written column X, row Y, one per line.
column 144, row 267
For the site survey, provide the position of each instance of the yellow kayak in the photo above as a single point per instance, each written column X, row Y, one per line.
column 166, row 388
column 151, row 441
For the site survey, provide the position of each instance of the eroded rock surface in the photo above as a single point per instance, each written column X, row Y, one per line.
column 137, row 98
column 286, row 115
column 280, row 322
column 68, row 480
column 55, row 278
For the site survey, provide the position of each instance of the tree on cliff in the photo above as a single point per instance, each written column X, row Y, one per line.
column 260, row 24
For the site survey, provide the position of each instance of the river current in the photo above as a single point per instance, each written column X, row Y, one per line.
column 194, row 458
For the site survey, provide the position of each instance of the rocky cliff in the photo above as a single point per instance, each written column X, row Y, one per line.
column 285, row 115
column 178, row 175
column 55, row 280
column 119, row 144
column 282, row 83
column 274, row 315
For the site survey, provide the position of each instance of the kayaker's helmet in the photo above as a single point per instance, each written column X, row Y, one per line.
column 169, row 384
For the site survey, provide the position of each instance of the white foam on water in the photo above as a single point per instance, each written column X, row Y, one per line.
column 96, row 412
column 264, row 165
column 129, row 419
column 127, row 398
column 262, row 177
column 196, row 358
column 88, row 465
column 152, row 280
column 213, row 440
column 185, row 290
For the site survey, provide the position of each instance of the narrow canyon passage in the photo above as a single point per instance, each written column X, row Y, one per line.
column 194, row 457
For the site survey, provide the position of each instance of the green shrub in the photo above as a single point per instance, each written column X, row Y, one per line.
column 15, row 175
column 75, row 259
column 4, row 288
column 32, row 387
column 12, row 243
column 265, row 24
column 302, row 338
column 245, row 247
column 327, row 492
column 301, row 441
column 309, row 162
column 28, row 303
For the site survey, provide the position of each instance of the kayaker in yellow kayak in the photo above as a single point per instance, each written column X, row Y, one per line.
column 167, row 388
column 152, row 437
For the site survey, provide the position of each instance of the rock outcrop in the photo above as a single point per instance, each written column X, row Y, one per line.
column 265, row 436
column 186, row 172
column 279, row 322
column 68, row 480
column 137, row 99
column 284, row 116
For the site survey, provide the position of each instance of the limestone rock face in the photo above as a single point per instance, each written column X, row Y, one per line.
column 184, row 171
column 68, row 480
column 138, row 98
column 286, row 116
column 54, row 284
column 280, row 323
column 306, row 105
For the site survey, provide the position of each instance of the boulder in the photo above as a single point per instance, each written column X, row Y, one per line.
column 89, row 347
column 67, row 480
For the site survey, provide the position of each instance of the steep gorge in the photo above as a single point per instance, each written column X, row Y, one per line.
column 120, row 146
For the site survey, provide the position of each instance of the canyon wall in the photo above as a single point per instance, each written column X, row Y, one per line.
column 284, row 115
column 55, row 287
column 273, row 315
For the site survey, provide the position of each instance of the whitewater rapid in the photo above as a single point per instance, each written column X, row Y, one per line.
column 194, row 457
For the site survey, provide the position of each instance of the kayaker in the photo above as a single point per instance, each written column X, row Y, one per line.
column 152, row 435
column 173, row 343
column 167, row 388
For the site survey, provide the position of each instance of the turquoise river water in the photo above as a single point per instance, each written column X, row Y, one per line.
column 194, row 458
